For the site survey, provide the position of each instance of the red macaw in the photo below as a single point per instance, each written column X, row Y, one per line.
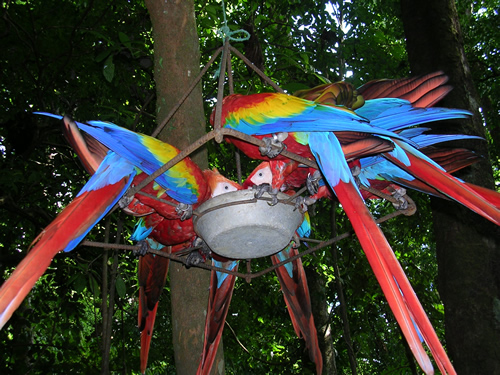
column 390, row 114
column 171, row 236
column 295, row 292
column 220, row 294
column 117, row 156
column 308, row 129
column 423, row 91
column 221, row 287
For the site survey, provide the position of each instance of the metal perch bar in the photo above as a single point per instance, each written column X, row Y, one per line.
column 249, row 275
column 257, row 70
column 220, row 93
column 218, row 131
column 204, row 139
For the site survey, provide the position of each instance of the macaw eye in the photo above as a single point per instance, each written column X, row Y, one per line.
column 226, row 187
column 261, row 174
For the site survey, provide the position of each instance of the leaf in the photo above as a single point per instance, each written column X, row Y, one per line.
column 109, row 69
column 94, row 287
column 80, row 283
column 102, row 55
column 121, row 288
column 125, row 40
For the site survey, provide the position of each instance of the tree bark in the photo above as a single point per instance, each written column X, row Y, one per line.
column 177, row 63
column 468, row 246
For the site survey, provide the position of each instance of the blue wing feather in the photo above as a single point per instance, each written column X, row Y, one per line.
column 396, row 114
column 330, row 157
column 130, row 146
column 112, row 169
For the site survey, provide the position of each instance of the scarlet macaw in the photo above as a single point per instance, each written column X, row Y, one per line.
column 422, row 91
column 117, row 156
column 220, row 291
column 293, row 281
column 295, row 292
column 313, row 135
column 171, row 236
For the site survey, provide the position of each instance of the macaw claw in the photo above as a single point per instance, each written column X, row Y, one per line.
column 274, row 145
column 303, row 203
column 399, row 195
column 198, row 256
column 143, row 248
column 266, row 188
column 124, row 201
column 185, row 211
column 261, row 189
column 312, row 182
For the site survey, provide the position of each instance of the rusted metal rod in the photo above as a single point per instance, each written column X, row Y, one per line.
column 248, row 276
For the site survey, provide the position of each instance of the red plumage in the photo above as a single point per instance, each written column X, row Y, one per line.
column 298, row 300
column 75, row 219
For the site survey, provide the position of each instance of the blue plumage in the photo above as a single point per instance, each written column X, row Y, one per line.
column 141, row 231
column 137, row 149
column 111, row 171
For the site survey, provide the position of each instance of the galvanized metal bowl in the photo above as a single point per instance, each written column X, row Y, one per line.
column 236, row 225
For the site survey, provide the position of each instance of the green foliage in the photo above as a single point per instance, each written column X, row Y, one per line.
column 94, row 60
column 479, row 21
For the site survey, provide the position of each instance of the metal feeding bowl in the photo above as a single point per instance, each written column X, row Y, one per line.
column 238, row 226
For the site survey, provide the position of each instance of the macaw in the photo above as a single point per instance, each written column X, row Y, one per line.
column 295, row 292
column 221, row 288
column 291, row 275
column 171, row 236
column 220, row 294
column 378, row 172
column 422, row 91
column 282, row 175
column 117, row 156
column 307, row 129
column 152, row 275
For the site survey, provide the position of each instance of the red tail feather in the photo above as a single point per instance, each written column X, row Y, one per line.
column 80, row 215
column 423, row 91
column 392, row 279
column 218, row 306
column 296, row 294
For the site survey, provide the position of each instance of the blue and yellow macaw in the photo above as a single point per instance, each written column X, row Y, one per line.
column 311, row 130
column 117, row 159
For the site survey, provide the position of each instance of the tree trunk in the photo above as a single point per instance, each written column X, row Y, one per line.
column 319, row 306
column 177, row 63
column 468, row 246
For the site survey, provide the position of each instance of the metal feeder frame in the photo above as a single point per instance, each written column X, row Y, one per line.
column 218, row 134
